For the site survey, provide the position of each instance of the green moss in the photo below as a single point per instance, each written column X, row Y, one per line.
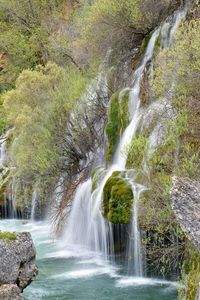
column 113, row 126
column 117, row 200
column 8, row 235
column 118, row 119
column 136, row 152
column 124, row 110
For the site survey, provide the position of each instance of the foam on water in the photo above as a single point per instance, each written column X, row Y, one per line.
column 142, row 281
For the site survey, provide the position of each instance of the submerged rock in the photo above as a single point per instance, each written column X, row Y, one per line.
column 185, row 195
column 17, row 265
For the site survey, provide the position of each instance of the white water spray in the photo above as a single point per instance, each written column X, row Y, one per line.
column 34, row 201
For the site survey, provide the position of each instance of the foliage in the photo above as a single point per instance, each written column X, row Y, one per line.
column 191, row 272
column 29, row 35
column 181, row 63
column 10, row 236
column 117, row 200
column 136, row 152
column 39, row 108
column 120, row 24
column 176, row 77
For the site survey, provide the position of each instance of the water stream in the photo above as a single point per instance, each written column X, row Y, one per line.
column 86, row 225
column 76, row 274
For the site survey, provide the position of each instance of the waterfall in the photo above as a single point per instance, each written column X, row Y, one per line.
column 34, row 201
column 9, row 209
column 86, row 227
column 33, row 204
column 3, row 152
column 3, row 155
column 134, row 247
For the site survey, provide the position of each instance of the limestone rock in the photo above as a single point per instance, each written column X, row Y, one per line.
column 185, row 195
column 17, row 263
column 10, row 292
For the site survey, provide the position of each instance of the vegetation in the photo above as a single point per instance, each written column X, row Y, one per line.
column 136, row 152
column 30, row 35
column 121, row 25
column 51, row 119
column 49, row 52
column 178, row 154
column 191, row 272
column 10, row 236
column 117, row 199
column 118, row 118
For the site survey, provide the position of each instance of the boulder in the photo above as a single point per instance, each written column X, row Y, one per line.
column 10, row 292
column 17, row 265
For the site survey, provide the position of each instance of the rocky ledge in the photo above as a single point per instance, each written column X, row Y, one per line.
column 185, row 195
column 17, row 265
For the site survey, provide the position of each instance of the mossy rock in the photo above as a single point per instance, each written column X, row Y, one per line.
column 118, row 119
column 124, row 101
column 117, row 200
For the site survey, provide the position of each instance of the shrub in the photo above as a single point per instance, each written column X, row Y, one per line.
column 120, row 25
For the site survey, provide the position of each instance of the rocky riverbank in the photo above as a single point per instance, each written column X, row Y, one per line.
column 17, row 264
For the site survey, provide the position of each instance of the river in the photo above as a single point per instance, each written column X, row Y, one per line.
column 73, row 273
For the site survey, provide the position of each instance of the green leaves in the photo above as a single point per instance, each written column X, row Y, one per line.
column 39, row 108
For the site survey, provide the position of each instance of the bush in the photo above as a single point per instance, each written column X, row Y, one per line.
column 121, row 25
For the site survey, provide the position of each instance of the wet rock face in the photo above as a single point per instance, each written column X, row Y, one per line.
column 17, row 264
column 185, row 195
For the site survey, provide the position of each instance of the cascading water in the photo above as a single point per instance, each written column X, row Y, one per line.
column 2, row 151
column 88, row 232
column 134, row 247
column 3, row 140
column 34, row 203
column 10, row 210
column 86, row 226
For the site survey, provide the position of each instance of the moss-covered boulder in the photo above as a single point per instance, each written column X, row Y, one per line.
column 117, row 200
column 118, row 119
